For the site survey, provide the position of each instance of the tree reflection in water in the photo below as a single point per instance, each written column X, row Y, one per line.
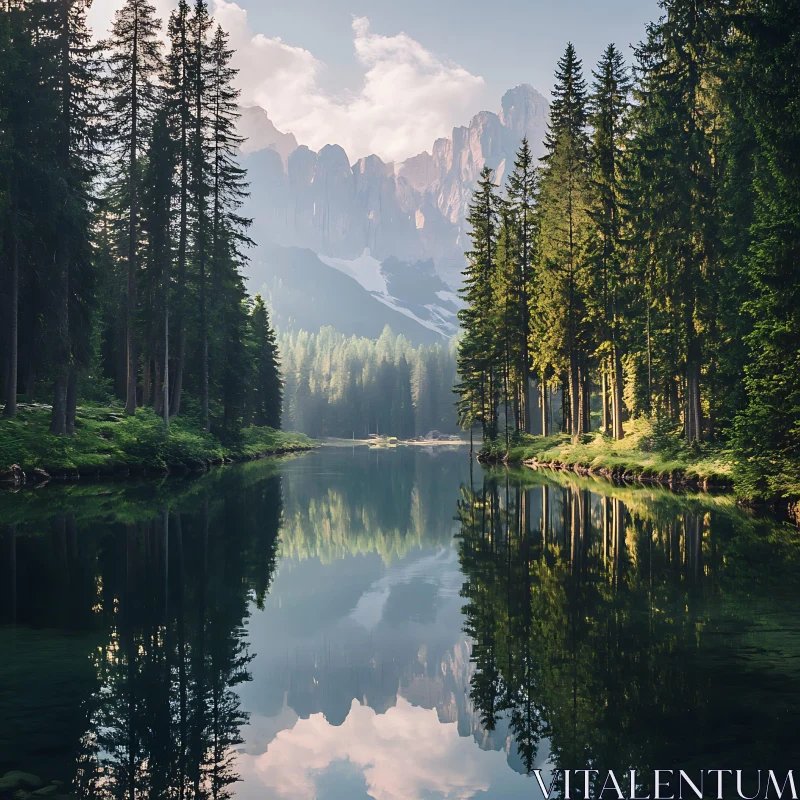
column 626, row 628
column 166, row 593
column 610, row 627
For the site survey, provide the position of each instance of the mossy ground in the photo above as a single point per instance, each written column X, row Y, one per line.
column 646, row 451
column 106, row 439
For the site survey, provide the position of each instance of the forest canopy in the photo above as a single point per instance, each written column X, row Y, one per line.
column 121, row 242
column 652, row 256
column 350, row 387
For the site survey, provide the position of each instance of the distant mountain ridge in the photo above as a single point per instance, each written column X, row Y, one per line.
column 412, row 210
column 407, row 217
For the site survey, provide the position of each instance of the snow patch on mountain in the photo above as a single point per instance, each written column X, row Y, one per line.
column 451, row 297
column 412, row 289
column 365, row 269
column 394, row 303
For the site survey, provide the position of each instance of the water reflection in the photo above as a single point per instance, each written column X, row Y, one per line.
column 354, row 624
column 624, row 628
column 147, row 607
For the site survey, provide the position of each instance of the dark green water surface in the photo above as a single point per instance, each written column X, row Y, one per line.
column 359, row 623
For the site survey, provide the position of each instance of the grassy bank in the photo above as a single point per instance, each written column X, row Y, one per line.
column 647, row 453
column 106, row 442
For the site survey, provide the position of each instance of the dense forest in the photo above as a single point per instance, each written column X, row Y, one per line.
column 651, row 258
column 350, row 387
column 121, row 242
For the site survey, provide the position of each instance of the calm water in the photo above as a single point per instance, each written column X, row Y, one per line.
column 357, row 624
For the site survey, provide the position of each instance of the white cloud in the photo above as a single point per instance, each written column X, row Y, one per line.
column 406, row 752
column 409, row 95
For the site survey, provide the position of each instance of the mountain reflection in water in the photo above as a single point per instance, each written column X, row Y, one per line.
column 355, row 623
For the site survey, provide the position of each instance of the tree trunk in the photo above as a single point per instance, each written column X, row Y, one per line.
column 158, row 395
column 674, row 401
column 693, row 422
column 146, row 378
column 178, row 365
column 72, row 400
column 133, row 372
column 574, row 396
column 165, row 400
column 586, row 400
column 605, row 422
column 619, row 433
column 63, row 348
column 545, row 430
column 203, row 351
column 13, row 321
column 199, row 161
column 58, row 422
column 30, row 381
column 527, row 405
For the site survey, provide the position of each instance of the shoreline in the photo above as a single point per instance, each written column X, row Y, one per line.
column 15, row 477
column 108, row 445
column 622, row 477
column 618, row 476
column 333, row 441
column 643, row 455
column 683, row 478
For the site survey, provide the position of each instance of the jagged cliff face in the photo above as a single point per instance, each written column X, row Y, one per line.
column 260, row 134
column 410, row 211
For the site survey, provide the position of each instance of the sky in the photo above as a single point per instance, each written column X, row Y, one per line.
column 391, row 76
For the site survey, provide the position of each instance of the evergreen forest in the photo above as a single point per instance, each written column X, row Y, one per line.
column 648, row 264
column 350, row 387
column 121, row 238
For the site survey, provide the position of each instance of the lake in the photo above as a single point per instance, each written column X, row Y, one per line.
column 392, row 624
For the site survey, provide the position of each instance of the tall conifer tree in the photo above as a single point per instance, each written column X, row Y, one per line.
column 566, row 233
column 178, row 89
column 201, row 178
column 479, row 387
column 135, row 66
column 522, row 190
column 609, row 104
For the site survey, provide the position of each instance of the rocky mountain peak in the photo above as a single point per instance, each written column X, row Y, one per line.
column 524, row 110
column 261, row 134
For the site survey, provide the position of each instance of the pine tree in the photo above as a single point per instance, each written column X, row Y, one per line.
column 158, row 191
column 135, row 65
column 609, row 104
column 767, row 430
column 509, row 320
column 267, row 391
column 478, row 387
column 521, row 197
column 177, row 83
column 200, row 180
column 674, row 227
column 228, row 188
column 566, row 233
column 73, row 75
column 402, row 403
column 19, row 99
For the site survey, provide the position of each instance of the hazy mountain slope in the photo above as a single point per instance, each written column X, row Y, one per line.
column 304, row 293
